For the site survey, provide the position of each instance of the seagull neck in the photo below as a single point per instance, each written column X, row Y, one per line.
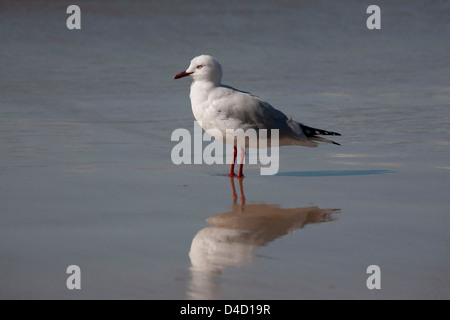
column 204, row 85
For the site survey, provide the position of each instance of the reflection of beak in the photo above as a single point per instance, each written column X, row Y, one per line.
column 182, row 74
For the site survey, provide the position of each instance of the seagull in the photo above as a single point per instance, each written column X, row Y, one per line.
column 218, row 107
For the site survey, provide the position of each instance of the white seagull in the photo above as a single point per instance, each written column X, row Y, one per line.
column 218, row 107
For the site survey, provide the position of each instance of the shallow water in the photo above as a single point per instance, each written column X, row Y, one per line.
column 87, row 179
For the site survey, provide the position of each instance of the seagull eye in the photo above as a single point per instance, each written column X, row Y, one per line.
column 199, row 66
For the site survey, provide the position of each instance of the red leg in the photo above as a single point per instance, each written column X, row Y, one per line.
column 241, row 166
column 232, row 163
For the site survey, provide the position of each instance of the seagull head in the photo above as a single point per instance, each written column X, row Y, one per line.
column 203, row 68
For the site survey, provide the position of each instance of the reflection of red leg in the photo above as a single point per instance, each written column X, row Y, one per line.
column 233, row 162
column 241, row 189
column 240, row 174
column 233, row 190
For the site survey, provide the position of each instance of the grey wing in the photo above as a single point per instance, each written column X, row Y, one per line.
column 242, row 110
column 267, row 117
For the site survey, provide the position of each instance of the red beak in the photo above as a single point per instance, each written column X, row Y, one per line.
column 182, row 74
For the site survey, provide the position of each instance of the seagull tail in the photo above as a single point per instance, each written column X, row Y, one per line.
column 312, row 134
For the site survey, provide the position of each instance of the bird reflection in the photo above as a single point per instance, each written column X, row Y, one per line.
column 233, row 236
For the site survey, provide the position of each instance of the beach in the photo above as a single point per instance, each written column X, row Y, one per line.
column 86, row 118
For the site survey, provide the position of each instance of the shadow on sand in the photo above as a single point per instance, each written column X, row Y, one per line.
column 332, row 173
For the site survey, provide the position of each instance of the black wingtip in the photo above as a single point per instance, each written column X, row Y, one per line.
column 310, row 131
